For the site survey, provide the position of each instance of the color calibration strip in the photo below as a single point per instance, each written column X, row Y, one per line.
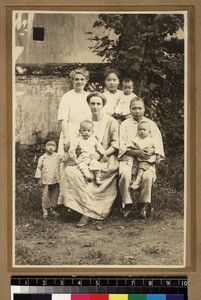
column 99, row 288
column 96, row 297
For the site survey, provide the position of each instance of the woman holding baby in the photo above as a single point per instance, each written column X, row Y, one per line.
column 92, row 200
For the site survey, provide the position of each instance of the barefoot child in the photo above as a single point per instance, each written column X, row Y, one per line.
column 47, row 173
column 87, row 145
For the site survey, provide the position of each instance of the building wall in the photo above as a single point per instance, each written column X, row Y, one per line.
column 36, row 101
column 36, row 106
column 65, row 38
column 36, row 97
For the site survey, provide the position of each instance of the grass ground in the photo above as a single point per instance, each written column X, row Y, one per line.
column 115, row 241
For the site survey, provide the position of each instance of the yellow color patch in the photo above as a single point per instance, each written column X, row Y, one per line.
column 118, row 297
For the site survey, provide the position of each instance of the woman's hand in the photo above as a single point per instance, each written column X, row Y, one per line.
column 140, row 153
column 66, row 145
column 96, row 156
column 72, row 158
column 104, row 158
column 143, row 154
column 149, row 150
column 65, row 157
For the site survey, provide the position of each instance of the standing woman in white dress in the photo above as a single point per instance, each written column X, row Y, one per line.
column 73, row 109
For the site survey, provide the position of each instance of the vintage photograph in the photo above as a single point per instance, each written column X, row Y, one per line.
column 99, row 138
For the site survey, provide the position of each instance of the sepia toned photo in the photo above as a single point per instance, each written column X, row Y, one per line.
column 99, row 110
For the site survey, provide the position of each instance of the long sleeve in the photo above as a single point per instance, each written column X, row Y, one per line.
column 64, row 108
column 48, row 168
column 123, row 139
column 74, row 144
column 114, row 134
column 156, row 134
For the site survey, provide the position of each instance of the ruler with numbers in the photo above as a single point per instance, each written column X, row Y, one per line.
column 105, row 288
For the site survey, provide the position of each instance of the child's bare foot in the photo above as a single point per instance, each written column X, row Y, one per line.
column 135, row 185
column 98, row 181
column 45, row 213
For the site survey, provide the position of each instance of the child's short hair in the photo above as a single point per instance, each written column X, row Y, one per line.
column 50, row 137
column 127, row 80
column 85, row 123
column 143, row 122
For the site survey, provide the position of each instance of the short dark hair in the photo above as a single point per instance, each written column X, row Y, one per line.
column 137, row 99
column 127, row 79
column 50, row 137
column 96, row 94
column 110, row 71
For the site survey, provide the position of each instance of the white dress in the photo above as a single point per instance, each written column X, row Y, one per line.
column 74, row 109
column 87, row 198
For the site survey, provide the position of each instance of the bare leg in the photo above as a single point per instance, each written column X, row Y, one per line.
column 137, row 182
column 54, row 195
column 83, row 167
column 97, row 174
column 45, row 200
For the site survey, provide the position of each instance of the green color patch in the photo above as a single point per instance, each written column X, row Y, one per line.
column 137, row 297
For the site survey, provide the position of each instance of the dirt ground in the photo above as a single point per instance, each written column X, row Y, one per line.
column 115, row 241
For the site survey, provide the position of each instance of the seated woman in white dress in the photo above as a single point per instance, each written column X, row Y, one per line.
column 90, row 200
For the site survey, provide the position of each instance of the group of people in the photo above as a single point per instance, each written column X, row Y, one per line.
column 107, row 146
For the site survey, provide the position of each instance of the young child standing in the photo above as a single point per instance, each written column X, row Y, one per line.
column 122, row 109
column 47, row 173
column 85, row 147
column 143, row 140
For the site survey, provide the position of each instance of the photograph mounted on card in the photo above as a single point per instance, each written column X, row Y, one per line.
column 99, row 114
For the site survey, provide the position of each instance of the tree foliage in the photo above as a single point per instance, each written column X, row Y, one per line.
column 145, row 47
